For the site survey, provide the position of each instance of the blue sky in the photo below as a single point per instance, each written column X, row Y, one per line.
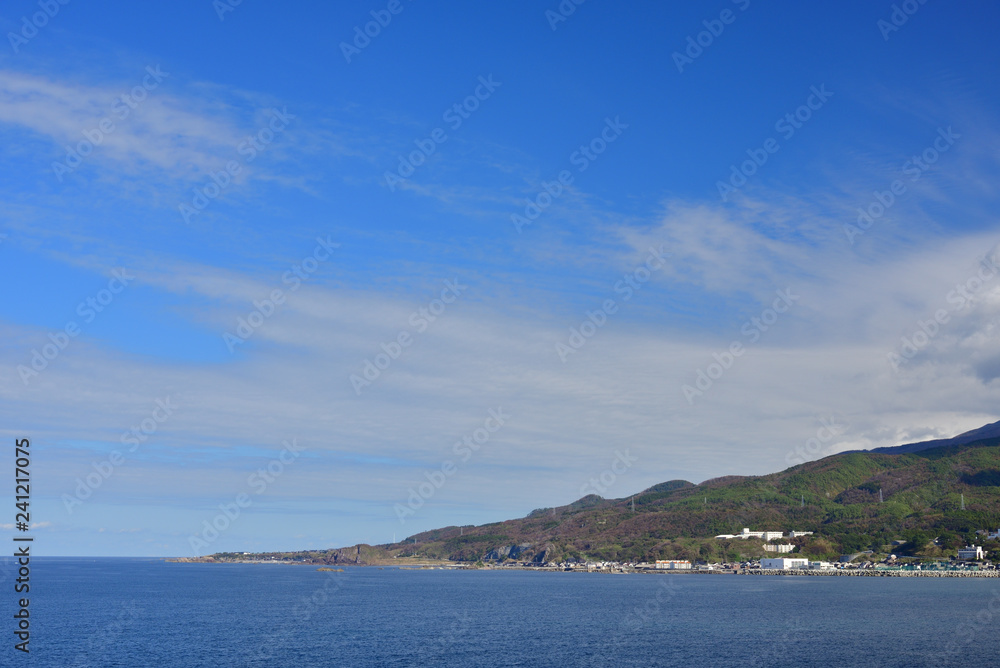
column 562, row 254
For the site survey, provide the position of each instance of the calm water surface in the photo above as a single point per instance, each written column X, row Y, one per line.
column 140, row 612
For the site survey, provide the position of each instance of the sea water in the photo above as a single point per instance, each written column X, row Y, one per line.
column 148, row 612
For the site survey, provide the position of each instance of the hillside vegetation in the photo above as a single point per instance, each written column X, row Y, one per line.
column 836, row 497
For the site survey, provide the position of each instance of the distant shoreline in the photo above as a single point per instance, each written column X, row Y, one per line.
column 871, row 572
column 799, row 572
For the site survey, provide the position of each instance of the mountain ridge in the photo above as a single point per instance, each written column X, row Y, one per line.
column 991, row 430
column 931, row 498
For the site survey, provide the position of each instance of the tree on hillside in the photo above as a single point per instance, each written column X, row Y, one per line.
column 916, row 541
column 819, row 547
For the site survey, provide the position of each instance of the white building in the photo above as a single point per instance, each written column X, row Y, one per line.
column 820, row 565
column 765, row 535
column 793, row 534
column 783, row 563
column 972, row 553
column 780, row 548
column 746, row 533
column 683, row 565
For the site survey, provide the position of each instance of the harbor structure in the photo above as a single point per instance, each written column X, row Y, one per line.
column 820, row 566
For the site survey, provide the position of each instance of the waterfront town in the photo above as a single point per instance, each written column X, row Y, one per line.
column 970, row 561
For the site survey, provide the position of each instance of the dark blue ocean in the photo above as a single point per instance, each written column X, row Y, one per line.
column 144, row 612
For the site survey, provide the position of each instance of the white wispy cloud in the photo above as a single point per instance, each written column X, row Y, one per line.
column 622, row 388
column 162, row 130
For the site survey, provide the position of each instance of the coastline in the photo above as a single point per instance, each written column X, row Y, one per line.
column 453, row 566
column 871, row 572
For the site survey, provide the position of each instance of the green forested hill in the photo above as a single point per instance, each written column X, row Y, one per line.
column 836, row 497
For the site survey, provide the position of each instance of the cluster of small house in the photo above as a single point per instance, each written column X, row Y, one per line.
column 659, row 564
column 776, row 564
column 764, row 564
column 786, row 563
column 968, row 553
column 990, row 535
